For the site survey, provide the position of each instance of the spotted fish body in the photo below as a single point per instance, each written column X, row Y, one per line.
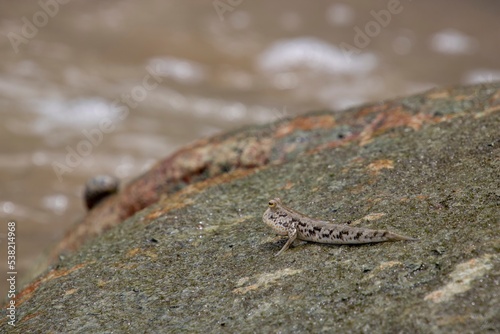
column 286, row 221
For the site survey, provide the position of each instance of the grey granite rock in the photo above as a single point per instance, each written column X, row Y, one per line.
column 201, row 260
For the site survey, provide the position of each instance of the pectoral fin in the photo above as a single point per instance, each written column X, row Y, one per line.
column 292, row 236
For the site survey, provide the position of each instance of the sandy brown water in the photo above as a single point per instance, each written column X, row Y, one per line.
column 125, row 83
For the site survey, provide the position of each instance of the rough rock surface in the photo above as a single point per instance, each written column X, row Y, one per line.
column 195, row 256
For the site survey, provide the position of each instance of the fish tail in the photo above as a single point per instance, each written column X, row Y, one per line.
column 396, row 237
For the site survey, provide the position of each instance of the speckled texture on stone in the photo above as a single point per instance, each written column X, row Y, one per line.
column 201, row 260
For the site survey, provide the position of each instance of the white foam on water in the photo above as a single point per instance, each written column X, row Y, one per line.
column 452, row 42
column 313, row 54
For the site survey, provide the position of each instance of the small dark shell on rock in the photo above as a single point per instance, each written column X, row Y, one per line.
column 98, row 188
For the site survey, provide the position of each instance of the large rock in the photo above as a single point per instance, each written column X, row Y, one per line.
column 194, row 254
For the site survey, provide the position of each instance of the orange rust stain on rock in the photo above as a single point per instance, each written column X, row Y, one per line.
column 439, row 94
column 153, row 215
column 31, row 316
column 487, row 112
column 401, row 118
column 376, row 166
column 288, row 185
column 133, row 252
column 136, row 251
column 305, row 123
column 256, row 152
column 395, row 118
column 366, row 136
column 364, row 111
column 28, row 291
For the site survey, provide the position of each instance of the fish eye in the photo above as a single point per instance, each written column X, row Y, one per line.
column 272, row 204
